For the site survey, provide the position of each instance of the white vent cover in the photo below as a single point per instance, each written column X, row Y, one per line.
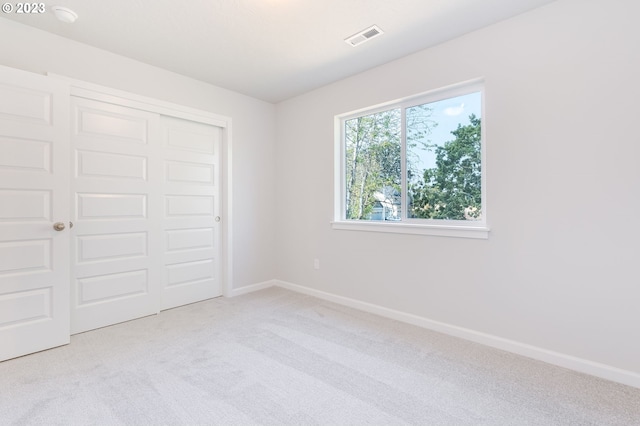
column 364, row 35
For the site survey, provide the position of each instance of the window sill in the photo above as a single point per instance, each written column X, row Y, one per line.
column 478, row 232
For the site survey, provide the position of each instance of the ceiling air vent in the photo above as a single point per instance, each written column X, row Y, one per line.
column 364, row 35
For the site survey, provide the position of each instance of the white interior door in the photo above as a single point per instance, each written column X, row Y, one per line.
column 34, row 179
column 191, row 223
column 117, row 214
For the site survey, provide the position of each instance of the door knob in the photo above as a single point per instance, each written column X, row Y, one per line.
column 58, row 226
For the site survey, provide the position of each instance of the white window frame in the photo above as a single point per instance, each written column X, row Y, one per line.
column 435, row 227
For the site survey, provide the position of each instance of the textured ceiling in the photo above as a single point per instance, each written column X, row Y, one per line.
column 269, row 49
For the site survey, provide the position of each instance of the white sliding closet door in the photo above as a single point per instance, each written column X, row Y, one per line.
column 191, row 223
column 34, row 179
column 117, row 213
column 146, row 205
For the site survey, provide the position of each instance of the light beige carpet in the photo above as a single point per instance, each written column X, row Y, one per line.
column 276, row 357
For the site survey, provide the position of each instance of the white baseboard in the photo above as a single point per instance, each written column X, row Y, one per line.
column 562, row 360
column 253, row 287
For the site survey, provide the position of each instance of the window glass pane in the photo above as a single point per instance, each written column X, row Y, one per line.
column 444, row 159
column 373, row 166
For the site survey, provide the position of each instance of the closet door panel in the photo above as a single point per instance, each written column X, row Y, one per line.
column 191, row 212
column 116, row 213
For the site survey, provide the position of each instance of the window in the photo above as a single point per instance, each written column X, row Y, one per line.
column 414, row 166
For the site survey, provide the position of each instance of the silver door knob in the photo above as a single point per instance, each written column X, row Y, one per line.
column 217, row 218
column 58, row 226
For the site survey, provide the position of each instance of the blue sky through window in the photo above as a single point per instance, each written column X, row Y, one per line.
column 447, row 113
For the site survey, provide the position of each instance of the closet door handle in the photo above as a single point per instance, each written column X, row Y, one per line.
column 59, row 226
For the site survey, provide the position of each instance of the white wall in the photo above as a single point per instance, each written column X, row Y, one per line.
column 253, row 128
column 559, row 270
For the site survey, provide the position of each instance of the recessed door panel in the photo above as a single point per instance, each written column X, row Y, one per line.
column 96, row 248
column 106, row 165
column 25, row 257
column 111, row 206
column 115, row 124
column 26, row 104
column 183, row 172
column 189, row 272
column 105, row 288
column 189, row 239
column 190, row 136
column 25, row 155
column 25, row 205
column 189, row 205
column 25, row 307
